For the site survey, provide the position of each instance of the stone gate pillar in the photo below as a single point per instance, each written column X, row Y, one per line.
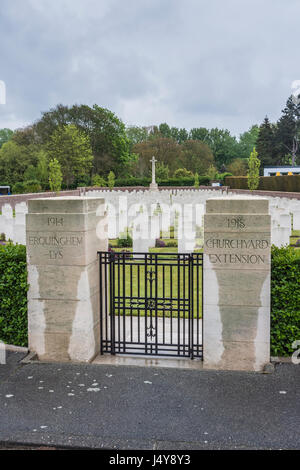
column 63, row 274
column 237, row 242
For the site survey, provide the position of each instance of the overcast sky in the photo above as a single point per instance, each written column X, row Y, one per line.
column 190, row 63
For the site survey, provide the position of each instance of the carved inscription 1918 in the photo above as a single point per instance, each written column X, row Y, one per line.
column 239, row 244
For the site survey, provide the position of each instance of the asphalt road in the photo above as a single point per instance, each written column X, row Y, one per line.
column 127, row 407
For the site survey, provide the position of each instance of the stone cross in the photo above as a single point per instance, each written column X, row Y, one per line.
column 153, row 185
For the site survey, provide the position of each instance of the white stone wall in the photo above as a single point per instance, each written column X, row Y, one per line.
column 285, row 212
column 13, row 224
column 123, row 207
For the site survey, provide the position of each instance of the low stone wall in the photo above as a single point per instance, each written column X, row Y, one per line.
column 17, row 198
column 14, row 199
column 265, row 193
column 160, row 188
column 227, row 189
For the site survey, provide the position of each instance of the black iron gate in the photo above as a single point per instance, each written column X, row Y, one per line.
column 151, row 303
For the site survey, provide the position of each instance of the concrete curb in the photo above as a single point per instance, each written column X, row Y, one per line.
column 13, row 348
column 284, row 360
column 30, row 358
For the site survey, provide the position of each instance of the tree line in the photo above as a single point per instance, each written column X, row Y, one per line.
column 82, row 145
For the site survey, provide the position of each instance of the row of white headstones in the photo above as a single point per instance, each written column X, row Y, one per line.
column 150, row 214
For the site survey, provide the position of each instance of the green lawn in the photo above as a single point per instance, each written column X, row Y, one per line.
column 294, row 238
column 168, row 284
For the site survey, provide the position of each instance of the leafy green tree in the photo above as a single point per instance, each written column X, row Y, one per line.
column 212, row 172
column 98, row 180
column 106, row 132
column 247, row 141
column 32, row 186
column 181, row 134
column 166, row 151
column 238, row 167
column 5, row 135
column 182, row 173
column 161, row 171
column 38, row 172
column 137, row 134
column 223, row 145
column 199, row 133
column 253, row 172
column 31, row 173
column 165, row 130
column 26, row 136
column 196, row 183
column 42, row 169
column 73, row 151
column 196, row 156
column 14, row 160
column 55, row 175
column 111, row 180
column 18, row 188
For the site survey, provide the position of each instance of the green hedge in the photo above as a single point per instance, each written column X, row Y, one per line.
column 13, row 294
column 132, row 182
column 203, row 180
column 32, row 186
column 285, row 297
column 289, row 183
column 285, row 300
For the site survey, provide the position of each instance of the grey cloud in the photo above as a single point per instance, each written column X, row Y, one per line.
column 191, row 63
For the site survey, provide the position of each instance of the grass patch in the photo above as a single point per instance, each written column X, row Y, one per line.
column 167, row 284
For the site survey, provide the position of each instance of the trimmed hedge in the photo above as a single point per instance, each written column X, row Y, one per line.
column 13, row 294
column 32, row 186
column 285, row 300
column 289, row 183
column 203, row 180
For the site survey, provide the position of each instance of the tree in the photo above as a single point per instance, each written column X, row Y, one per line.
column 265, row 144
column 182, row 173
column 106, row 132
column 14, row 160
column 181, row 134
column 42, row 169
column 111, row 180
column 30, row 173
column 161, row 171
column 5, row 135
column 253, row 172
column 195, row 156
column 199, row 133
column 287, row 132
column 247, row 141
column 212, row 172
column 196, row 182
column 55, row 175
column 97, row 180
column 137, row 134
column 165, row 150
column 38, row 172
column 72, row 150
column 223, row 145
column 164, row 130
column 238, row 167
